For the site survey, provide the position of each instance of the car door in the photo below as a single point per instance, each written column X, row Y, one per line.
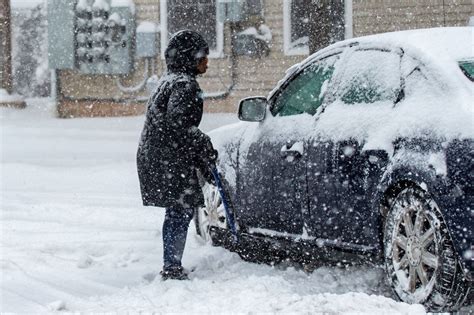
column 343, row 163
column 273, row 182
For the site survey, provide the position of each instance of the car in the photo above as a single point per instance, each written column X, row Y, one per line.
column 362, row 152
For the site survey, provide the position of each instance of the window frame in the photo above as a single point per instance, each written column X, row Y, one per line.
column 430, row 74
column 213, row 53
column 348, row 28
column 274, row 96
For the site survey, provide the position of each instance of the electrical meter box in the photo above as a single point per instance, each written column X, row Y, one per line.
column 102, row 35
column 145, row 40
column 61, row 42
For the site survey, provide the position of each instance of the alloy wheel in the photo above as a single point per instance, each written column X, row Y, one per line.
column 212, row 214
column 414, row 248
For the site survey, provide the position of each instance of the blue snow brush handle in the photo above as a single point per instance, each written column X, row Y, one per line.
column 228, row 211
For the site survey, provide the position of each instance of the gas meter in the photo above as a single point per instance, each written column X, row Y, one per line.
column 101, row 31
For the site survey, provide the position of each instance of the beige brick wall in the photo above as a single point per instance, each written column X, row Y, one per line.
column 257, row 76
column 378, row 16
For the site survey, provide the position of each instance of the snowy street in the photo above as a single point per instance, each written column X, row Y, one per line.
column 75, row 237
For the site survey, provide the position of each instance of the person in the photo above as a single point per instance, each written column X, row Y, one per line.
column 172, row 148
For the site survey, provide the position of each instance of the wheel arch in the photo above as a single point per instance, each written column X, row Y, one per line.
column 456, row 292
column 405, row 177
column 392, row 184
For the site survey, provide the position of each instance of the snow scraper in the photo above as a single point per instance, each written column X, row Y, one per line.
column 227, row 202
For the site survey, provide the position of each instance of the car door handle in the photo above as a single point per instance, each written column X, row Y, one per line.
column 295, row 151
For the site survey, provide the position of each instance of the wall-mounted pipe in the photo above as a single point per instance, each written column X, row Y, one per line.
column 140, row 86
column 233, row 75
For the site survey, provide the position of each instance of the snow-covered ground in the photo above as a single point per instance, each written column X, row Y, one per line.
column 74, row 235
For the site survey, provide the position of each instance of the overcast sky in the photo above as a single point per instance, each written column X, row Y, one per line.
column 25, row 3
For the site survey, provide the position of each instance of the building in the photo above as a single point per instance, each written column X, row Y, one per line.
column 5, row 47
column 250, row 51
column 6, row 98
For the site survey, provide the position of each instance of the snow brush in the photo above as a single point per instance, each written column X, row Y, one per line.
column 226, row 201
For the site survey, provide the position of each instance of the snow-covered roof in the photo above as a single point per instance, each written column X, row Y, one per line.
column 453, row 43
column 442, row 43
column 439, row 47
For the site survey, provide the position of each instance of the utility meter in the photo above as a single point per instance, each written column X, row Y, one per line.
column 104, row 35
column 101, row 31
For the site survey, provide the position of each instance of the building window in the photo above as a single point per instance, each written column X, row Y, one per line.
column 297, row 23
column 296, row 26
column 196, row 15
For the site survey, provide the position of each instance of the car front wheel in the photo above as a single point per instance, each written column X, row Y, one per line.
column 212, row 214
column 421, row 264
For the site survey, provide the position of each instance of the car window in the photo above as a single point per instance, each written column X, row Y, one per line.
column 415, row 78
column 467, row 68
column 369, row 76
column 305, row 92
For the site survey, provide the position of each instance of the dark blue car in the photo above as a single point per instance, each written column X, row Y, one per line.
column 364, row 151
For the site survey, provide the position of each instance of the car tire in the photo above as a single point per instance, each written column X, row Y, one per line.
column 212, row 214
column 421, row 263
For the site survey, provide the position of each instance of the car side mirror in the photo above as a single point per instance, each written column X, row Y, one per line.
column 253, row 108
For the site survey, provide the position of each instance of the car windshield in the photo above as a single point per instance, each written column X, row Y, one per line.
column 467, row 67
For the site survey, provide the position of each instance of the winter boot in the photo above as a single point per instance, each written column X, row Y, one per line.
column 174, row 274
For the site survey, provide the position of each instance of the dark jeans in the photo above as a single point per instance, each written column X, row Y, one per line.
column 175, row 229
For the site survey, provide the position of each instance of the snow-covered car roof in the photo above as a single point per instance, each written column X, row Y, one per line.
column 454, row 43
column 446, row 43
column 443, row 47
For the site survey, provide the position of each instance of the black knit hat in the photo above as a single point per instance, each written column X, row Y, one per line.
column 184, row 50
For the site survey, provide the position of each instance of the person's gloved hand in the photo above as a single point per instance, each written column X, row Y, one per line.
column 204, row 149
column 212, row 155
column 205, row 156
column 208, row 177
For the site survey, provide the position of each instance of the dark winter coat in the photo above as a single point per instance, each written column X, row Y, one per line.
column 172, row 147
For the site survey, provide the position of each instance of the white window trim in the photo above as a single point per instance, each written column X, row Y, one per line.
column 287, row 33
column 348, row 33
column 215, row 53
column 348, row 22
